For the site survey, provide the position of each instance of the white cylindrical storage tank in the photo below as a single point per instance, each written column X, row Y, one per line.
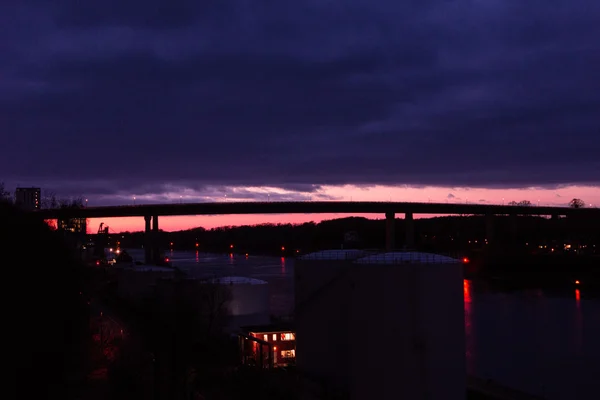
column 248, row 300
column 406, row 326
column 321, row 312
column 313, row 270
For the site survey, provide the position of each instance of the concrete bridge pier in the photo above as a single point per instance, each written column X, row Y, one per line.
column 489, row 227
column 390, row 231
column 147, row 240
column 514, row 227
column 155, row 241
column 410, row 230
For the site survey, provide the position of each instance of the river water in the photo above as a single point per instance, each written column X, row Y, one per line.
column 542, row 343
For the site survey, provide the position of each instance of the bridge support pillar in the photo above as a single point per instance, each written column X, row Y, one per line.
column 410, row 230
column 554, row 217
column 390, row 231
column 155, row 240
column 489, row 227
column 147, row 240
column 514, row 227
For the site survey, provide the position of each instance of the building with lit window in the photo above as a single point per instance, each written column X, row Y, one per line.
column 28, row 198
column 73, row 225
column 268, row 345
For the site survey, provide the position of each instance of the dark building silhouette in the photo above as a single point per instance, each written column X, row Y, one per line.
column 28, row 198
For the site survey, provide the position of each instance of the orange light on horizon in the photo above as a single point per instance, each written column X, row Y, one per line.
column 577, row 282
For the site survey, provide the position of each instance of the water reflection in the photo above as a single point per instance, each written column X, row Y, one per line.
column 470, row 340
column 578, row 323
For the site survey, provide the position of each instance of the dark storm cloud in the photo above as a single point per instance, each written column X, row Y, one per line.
column 146, row 97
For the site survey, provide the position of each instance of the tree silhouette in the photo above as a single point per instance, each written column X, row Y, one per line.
column 4, row 194
column 49, row 324
column 576, row 203
column 522, row 203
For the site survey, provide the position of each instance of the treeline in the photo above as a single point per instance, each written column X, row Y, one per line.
column 442, row 234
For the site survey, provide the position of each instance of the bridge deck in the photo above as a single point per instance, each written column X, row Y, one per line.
column 308, row 207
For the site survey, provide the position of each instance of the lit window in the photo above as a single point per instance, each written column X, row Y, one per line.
column 288, row 336
column 288, row 353
column 266, row 337
column 274, row 336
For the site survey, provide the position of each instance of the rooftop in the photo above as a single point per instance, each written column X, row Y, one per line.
column 339, row 254
column 237, row 280
column 407, row 257
column 269, row 328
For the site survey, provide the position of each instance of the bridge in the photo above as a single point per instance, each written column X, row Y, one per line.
column 151, row 212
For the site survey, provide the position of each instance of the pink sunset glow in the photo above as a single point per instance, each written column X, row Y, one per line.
column 546, row 197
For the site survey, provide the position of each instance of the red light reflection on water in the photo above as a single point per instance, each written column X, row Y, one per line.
column 578, row 323
column 469, row 325
column 197, row 256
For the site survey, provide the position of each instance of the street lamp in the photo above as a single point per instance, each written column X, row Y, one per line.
column 134, row 200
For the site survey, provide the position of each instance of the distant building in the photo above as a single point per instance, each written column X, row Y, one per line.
column 28, row 198
column 268, row 345
column 73, row 225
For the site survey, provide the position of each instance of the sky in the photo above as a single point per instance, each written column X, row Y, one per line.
column 185, row 100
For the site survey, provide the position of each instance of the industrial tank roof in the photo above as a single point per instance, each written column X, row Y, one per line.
column 407, row 257
column 237, row 280
column 342, row 254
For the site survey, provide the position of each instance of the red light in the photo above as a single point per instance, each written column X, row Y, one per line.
column 167, row 259
column 282, row 248
column 197, row 245
column 577, row 282
column 465, row 260
column 97, row 262
column 231, row 246
column 171, row 243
